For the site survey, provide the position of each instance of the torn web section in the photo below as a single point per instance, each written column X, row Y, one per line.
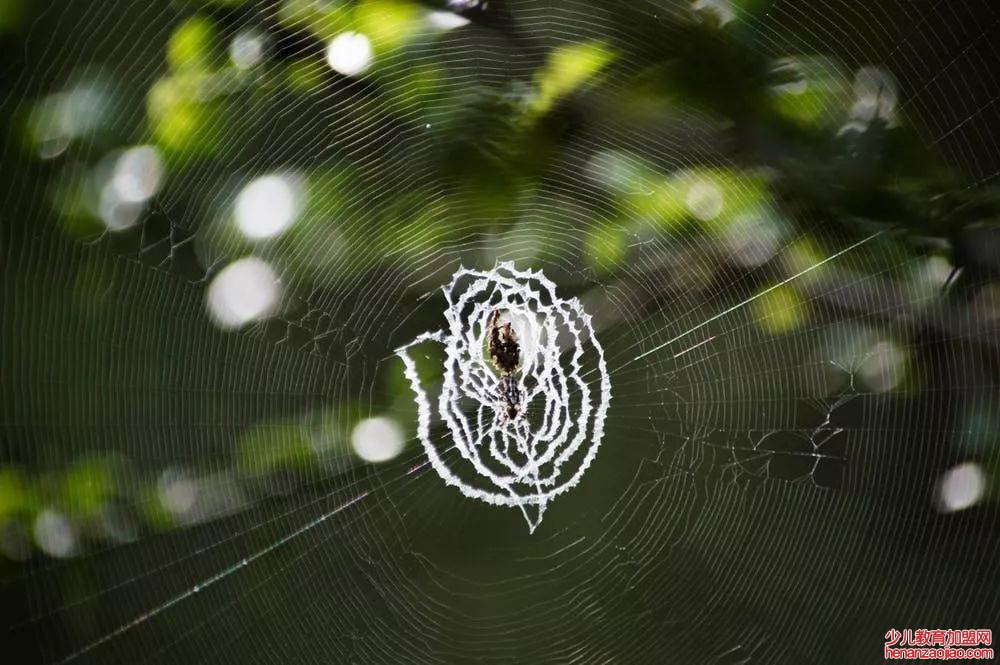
column 744, row 403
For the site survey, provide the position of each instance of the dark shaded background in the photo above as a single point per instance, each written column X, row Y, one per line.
column 779, row 494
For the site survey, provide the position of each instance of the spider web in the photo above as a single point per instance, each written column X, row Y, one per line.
column 789, row 389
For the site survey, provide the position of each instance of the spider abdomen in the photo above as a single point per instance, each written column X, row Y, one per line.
column 503, row 345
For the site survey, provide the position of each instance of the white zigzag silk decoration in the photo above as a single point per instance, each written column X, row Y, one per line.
column 528, row 460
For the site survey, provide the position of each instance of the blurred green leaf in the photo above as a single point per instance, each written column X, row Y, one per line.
column 605, row 247
column 814, row 92
column 387, row 23
column 16, row 496
column 89, row 484
column 192, row 46
column 11, row 14
column 181, row 121
column 779, row 310
column 323, row 20
column 568, row 68
column 274, row 446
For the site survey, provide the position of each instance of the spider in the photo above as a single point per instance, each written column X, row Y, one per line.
column 510, row 396
column 505, row 352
